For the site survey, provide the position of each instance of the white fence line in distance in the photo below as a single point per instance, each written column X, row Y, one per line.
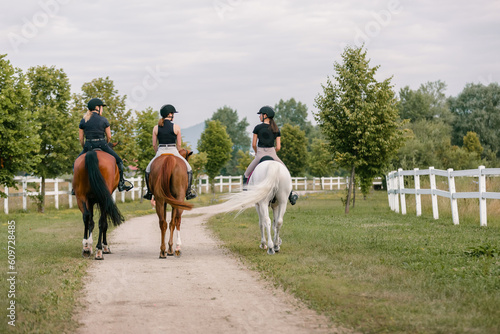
column 396, row 190
column 221, row 184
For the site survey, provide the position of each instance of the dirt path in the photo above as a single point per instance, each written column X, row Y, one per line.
column 207, row 290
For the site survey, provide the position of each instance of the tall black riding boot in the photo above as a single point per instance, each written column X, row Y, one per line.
column 293, row 197
column 148, row 195
column 121, row 185
column 245, row 182
column 190, row 193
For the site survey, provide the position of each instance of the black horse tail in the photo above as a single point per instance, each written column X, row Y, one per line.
column 107, row 206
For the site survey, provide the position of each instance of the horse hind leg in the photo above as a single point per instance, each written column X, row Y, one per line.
column 87, row 233
column 103, row 226
column 178, row 242
column 160, row 211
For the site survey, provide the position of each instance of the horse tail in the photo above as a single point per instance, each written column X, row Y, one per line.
column 107, row 206
column 265, row 189
column 162, row 185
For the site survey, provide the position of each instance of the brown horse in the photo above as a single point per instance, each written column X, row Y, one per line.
column 168, row 183
column 95, row 178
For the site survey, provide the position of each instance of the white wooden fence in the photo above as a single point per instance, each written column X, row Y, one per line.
column 222, row 184
column 396, row 190
column 57, row 192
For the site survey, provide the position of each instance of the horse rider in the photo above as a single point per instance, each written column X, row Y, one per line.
column 167, row 139
column 95, row 129
column 266, row 141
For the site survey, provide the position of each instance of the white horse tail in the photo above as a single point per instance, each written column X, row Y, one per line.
column 264, row 187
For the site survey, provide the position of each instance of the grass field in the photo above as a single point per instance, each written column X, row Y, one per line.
column 372, row 270
column 377, row 271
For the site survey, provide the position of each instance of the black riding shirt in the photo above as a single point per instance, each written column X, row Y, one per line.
column 166, row 134
column 95, row 127
column 265, row 135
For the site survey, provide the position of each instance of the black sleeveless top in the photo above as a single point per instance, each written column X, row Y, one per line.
column 95, row 127
column 166, row 134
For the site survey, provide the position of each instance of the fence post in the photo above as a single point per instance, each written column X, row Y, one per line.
column 6, row 201
column 56, row 190
column 402, row 195
column 435, row 209
column 389, row 190
column 418, row 199
column 482, row 201
column 25, row 186
column 396, row 193
column 453, row 201
column 70, row 197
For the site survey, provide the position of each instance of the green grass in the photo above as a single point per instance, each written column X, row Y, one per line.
column 378, row 271
column 50, row 268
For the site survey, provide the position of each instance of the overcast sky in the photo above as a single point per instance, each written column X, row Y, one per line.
column 200, row 55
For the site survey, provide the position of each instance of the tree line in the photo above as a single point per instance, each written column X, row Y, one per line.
column 364, row 128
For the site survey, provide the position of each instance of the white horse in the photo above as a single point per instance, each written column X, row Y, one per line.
column 270, row 184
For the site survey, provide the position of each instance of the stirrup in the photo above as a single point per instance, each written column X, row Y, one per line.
column 190, row 194
column 125, row 185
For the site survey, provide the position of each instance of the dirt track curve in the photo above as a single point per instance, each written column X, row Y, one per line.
column 206, row 290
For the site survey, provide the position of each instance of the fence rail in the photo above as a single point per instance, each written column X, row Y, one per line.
column 61, row 188
column 396, row 190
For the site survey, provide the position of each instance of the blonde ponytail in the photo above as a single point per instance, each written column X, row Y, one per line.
column 87, row 116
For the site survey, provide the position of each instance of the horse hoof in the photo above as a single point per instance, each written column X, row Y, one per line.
column 263, row 246
column 277, row 249
column 170, row 254
column 270, row 251
column 178, row 253
column 86, row 254
column 162, row 257
column 106, row 250
column 98, row 255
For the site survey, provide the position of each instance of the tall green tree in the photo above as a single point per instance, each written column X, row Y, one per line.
column 120, row 120
column 50, row 96
column 477, row 109
column 294, row 113
column 320, row 159
column 427, row 102
column 358, row 116
column 236, row 130
column 293, row 150
column 146, row 120
column 217, row 144
column 244, row 159
column 19, row 139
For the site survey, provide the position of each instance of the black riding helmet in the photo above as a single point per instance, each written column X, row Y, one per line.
column 167, row 109
column 267, row 110
column 94, row 103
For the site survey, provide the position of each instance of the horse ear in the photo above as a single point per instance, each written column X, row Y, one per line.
column 189, row 153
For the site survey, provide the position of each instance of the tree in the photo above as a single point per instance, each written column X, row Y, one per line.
column 320, row 159
column 358, row 116
column 244, row 159
column 293, row 151
column 19, row 139
column 472, row 143
column 477, row 109
column 146, row 120
column 428, row 102
column 294, row 113
column 236, row 130
column 50, row 95
column 215, row 142
column 121, row 122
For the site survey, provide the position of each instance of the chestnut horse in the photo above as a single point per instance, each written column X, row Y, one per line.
column 95, row 178
column 168, row 182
